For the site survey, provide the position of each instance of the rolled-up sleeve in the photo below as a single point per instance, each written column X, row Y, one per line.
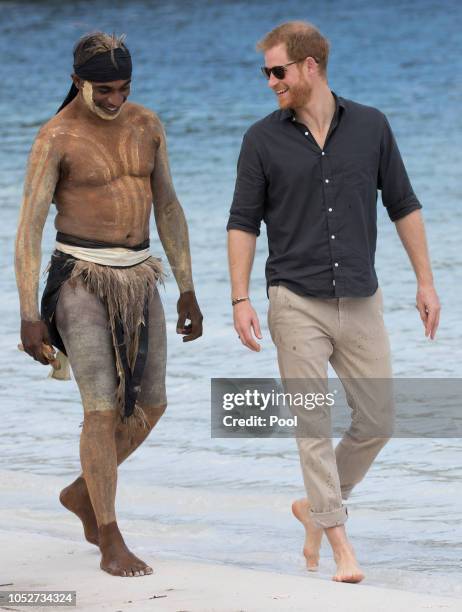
column 248, row 203
column 398, row 196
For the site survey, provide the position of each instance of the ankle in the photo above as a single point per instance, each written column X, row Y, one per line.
column 109, row 533
column 338, row 538
column 80, row 484
column 342, row 550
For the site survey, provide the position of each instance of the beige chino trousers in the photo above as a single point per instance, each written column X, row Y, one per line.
column 350, row 334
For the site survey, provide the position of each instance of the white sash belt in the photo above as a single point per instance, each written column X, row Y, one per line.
column 113, row 256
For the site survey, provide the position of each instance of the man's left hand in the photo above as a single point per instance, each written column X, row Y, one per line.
column 428, row 305
column 188, row 308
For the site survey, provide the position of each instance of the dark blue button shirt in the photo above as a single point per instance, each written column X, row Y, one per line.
column 320, row 206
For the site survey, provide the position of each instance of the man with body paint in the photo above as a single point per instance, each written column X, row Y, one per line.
column 103, row 162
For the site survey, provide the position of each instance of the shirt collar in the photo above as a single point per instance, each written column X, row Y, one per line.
column 288, row 113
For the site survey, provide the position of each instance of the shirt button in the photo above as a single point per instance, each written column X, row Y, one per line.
column 330, row 209
column 336, row 264
column 327, row 180
column 322, row 153
column 306, row 133
column 333, row 236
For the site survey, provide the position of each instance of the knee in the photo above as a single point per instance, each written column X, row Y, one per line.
column 100, row 421
column 386, row 428
column 153, row 414
column 378, row 427
column 383, row 441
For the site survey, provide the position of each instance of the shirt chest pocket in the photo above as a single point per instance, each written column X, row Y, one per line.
column 357, row 168
column 286, row 173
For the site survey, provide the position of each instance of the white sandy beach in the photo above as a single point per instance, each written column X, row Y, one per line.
column 44, row 550
column 30, row 561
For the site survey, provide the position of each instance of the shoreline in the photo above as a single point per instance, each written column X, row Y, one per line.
column 42, row 548
column 38, row 562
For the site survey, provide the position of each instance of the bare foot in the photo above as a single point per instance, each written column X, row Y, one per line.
column 348, row 569
column 313, row 533
column 76, row 499
column 116, row 559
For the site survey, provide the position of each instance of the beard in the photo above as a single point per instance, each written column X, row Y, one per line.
column 87, row 94
column 298, row 96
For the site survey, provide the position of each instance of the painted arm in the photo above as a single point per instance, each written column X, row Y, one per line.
column 411, row 231
column 173, row 233
column 41, row 179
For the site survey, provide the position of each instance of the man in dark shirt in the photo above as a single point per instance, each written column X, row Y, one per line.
column 311, row 171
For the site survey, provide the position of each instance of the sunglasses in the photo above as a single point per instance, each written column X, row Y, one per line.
column 280, row 71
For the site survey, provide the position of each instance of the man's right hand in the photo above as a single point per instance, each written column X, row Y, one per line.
column 33, row 335
column 246, row 321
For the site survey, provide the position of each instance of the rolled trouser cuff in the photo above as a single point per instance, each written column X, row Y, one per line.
column 333, row 518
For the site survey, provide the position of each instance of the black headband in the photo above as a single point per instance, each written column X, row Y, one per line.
column 101, row 69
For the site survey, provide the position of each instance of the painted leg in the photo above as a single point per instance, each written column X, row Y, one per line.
column 98, row 456
column 76, row 498
column 81, row 319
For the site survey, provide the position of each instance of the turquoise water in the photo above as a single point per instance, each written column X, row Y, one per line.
column 195, row 64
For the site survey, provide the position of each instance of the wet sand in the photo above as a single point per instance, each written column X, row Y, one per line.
column 42, row 548
column 34, row 562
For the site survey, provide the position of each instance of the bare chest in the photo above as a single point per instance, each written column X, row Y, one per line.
column 97, row 159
